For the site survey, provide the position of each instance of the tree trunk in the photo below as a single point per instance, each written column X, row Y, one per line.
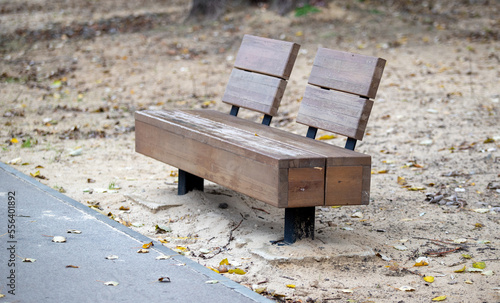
column 206, row 9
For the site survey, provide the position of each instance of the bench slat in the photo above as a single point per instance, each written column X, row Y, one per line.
column 267, row 56
column 348, row 72
column 258, row 92
column 235, row 158
column 334, row 111
column 335, row 156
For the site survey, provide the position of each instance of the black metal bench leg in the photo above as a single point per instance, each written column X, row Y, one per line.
column 299, row 224
column 188, row 182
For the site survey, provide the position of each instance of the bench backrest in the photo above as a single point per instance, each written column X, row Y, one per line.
column 338, row 97
column 258, row 79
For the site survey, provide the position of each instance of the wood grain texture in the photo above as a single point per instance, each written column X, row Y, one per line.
column 235, row 158
column 267, row 56
column 257, row 92
column 306, row 187
column 345, row 185
column 347, row 72
column 336, row 155
column 335, row 111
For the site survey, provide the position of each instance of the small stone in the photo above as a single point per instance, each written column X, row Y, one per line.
column 223, row 205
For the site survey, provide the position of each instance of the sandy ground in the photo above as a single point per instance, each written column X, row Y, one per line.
column 72, row 73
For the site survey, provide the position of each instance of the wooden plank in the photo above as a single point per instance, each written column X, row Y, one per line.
column 253, row 178
column 267, row 56
column 335, row 111
column 336, row 155
column 348, row 72
column 306, row 187
column 257, row 92
column 244, row 142
column 344, row 186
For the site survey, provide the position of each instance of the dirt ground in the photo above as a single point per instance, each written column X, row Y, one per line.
column 72, row 73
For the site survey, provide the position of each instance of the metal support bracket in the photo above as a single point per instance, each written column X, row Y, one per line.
column 299, row 224
column 188, row 182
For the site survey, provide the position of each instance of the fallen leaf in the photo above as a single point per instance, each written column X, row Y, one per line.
column 124, row 208
column 211, row 282
column 487, row 273
column 357, row 214
column 400, row 247
column 29, row 260
column 481, row 210
column 111, row 283
column 471, row 269
column 468, row 282
column 440, row 298
column 14, row 140
column 460, row 241
column 147, row 245
column 421, row 263
column 72, row 266
column 112, row 257
column 429, row 279
column 406, row 288
column 237, row 271
column 327, row 137
column 466, row 256
column 480, row 265
column 347, row 291
column 224, row 262
column 164, row 279
column 290, row 285
column 143, row 251
column 73, row 231
column 163, row 257
column 59, row 239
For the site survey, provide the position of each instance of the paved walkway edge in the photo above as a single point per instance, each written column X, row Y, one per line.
column 190, row 263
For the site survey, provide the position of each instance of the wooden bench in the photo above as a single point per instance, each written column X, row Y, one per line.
column 274, row 166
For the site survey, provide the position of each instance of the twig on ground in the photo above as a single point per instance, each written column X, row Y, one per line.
column 263, row 210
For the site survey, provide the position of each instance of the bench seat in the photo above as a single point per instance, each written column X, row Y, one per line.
column 274, row 166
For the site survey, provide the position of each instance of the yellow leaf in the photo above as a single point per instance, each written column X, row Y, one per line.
column 440, row 298
column 126, row 208
column 224, row 262
column 327, row 137
column 480, row 265
column 214, row 270
column 466, row 256
column 468, row 282
column 421, row 263
column 173, row 174
column 35, row 174
column 237, row 271
column 14, row 140
column 429, row 279
column 460, row 270
column 181, row 248
column 147, row 245
column 299, row 34
column 162, row 241
column 290, row 285
column 401, row 181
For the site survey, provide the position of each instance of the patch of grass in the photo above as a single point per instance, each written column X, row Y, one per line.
column 305, row 10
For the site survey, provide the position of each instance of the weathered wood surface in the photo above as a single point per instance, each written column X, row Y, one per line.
column 238, row 159
column 292, row 174
column 267, row 56
column 335, row 156
column 258, row 92
column 347, row 72
column 335, row 111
